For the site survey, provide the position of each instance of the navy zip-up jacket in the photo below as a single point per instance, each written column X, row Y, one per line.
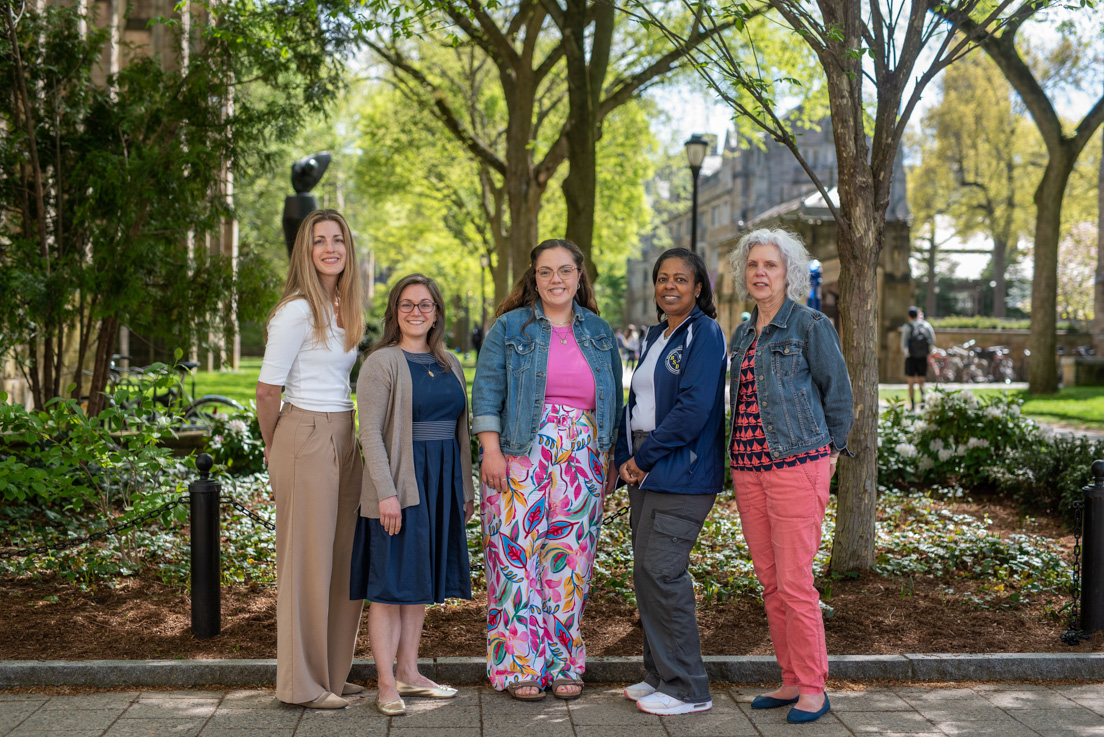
column 685, row 453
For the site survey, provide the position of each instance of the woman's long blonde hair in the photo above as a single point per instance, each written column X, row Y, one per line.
column 303, row 283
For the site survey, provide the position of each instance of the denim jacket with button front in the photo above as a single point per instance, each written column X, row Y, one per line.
column 510, row 376
column 804, row 391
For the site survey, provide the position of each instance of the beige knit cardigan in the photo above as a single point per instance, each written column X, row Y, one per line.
column 384, row 391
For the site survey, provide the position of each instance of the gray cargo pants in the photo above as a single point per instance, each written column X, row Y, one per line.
column 664, row 530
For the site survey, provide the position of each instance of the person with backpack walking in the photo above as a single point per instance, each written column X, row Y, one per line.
column 917, row 339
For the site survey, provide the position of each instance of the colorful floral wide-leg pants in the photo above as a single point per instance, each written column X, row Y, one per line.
column 539, row 539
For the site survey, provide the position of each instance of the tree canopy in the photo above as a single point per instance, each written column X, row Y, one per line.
column 561, row 69
column 109, row 190
column 1036, row 85
column 897, row 49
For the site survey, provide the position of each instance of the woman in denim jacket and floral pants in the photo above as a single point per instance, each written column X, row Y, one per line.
column 545, row 403
column 791, row 412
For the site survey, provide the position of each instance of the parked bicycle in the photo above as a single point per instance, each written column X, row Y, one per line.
column 941, row 367
column 198, row 413
column 1000, row 365
column 969, row 363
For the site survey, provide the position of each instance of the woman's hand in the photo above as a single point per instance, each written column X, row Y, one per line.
column 631, row 472
column 492, row 471
column 832, row 464
column 268, row 413
column 611, row 475
column 469, row 510
column 390, row 515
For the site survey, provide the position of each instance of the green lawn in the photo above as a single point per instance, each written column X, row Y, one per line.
column 1081, row 406
column 242, row 384
column 1077, row 406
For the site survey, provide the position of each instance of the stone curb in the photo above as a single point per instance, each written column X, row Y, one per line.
column 472, row 671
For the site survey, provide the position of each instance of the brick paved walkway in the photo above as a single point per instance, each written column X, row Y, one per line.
column 1005, row 710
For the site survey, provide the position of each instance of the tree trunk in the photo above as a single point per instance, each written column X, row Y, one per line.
column 1042, row 370
column 863, row 192
column 580, row 185
column 584, row 93
column 498, row 254
column 105, row 346
column 523, row 189
column 930, row 298
column 1000, row 266
column 84, row 327
column 853, row 545
column 1098, row 302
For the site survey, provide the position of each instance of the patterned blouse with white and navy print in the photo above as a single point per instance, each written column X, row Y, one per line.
column 749, row 451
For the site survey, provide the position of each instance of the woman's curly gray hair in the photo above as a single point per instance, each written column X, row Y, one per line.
column 794, row 256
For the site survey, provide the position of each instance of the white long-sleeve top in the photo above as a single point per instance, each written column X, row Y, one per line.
column 315, row 377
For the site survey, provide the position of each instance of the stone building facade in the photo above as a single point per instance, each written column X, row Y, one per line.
column 745, row 185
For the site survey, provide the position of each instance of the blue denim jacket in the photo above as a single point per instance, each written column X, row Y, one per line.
column 804, row 391
column 510, row 376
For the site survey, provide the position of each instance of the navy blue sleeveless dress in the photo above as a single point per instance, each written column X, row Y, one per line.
column 427, row 561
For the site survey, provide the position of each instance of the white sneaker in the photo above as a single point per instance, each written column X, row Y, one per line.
column 664, row 705
column 638, row 691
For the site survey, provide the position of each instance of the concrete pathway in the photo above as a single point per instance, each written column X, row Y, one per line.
column 1005, row 710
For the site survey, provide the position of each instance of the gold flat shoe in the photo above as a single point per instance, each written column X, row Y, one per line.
column 425, row 692
column 391, row 708
column 352, row 689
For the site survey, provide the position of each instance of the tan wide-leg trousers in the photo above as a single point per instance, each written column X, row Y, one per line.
column 315, row 468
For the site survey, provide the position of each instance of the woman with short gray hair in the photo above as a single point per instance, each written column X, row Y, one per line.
column 794, row 256
column 791, row 412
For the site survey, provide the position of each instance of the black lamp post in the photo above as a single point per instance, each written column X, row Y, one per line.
column 484, row 264
column 305, row 174
column 696, row 149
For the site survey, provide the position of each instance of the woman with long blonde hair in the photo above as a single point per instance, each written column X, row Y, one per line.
column 314, row 462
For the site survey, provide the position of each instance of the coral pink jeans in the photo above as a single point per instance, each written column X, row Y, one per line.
column 781, row 511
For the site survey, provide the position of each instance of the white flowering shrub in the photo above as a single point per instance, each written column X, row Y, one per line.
column 956, row 437
column 235, row 442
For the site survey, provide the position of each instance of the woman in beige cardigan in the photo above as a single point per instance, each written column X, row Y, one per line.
column 410, row 548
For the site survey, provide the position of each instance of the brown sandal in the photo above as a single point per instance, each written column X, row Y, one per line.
column 559, row 682
column 513, row 689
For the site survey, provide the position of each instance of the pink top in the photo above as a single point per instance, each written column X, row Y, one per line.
column 570, row 380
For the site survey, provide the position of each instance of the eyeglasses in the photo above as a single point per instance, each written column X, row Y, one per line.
column 565, row 272
column 423, row 307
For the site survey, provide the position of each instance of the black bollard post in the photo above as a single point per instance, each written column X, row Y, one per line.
column 206, row 556
column 1092, row 547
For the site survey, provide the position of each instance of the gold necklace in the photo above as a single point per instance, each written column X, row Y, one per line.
column 562, row 336
column 426, row 366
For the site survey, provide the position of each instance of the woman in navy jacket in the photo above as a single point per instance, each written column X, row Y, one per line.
column 670, row 450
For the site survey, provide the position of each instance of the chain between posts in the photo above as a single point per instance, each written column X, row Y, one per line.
column 114, row 530
column 40, row 549
column 249, row 513
column 65, row 545
column 619, row 513
column 1073, row 634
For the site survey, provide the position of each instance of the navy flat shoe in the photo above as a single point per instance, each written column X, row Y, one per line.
column 800, row 716
column 769, row 702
